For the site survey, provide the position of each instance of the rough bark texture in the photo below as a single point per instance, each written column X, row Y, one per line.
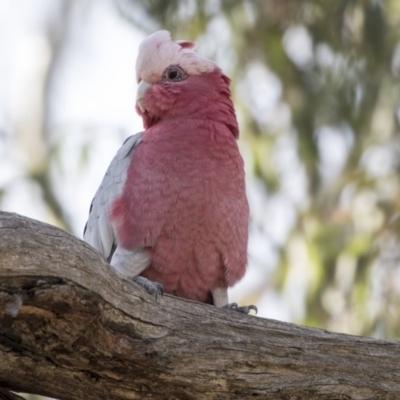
column 71, row 328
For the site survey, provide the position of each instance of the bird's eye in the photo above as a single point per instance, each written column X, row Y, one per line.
column 174, row 74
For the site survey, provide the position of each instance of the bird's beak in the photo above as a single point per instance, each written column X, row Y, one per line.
column 140, row 93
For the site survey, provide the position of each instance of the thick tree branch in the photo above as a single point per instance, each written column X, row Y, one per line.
column 71, row 328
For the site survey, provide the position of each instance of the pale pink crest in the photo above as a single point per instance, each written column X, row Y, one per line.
column 159, row 51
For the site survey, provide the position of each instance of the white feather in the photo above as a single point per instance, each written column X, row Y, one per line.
column 99, row 232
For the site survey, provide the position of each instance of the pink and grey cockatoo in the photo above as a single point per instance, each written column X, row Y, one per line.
column 171, row 211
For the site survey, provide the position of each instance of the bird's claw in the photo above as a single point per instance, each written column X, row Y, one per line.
column 242, row 309
column 153, row 288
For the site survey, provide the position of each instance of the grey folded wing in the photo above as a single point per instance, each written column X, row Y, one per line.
column 98, row 231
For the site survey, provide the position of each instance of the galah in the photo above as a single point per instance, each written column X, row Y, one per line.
column 171, row 211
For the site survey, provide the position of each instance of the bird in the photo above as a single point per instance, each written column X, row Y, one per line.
column 171, row 212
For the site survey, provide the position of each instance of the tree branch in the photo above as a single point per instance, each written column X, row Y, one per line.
column 71, row 328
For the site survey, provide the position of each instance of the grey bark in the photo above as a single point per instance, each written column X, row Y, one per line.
column 71, row 328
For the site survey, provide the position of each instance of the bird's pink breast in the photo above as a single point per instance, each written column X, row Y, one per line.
column 184, row 201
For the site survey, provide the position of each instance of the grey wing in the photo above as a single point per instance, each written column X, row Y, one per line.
column 98, row 231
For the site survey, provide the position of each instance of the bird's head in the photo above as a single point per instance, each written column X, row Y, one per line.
column 175, row 82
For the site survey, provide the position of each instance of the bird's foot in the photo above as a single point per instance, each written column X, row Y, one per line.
column 242, row 309
column 154, row 288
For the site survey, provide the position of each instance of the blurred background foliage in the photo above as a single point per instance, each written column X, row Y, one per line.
column 317, row 91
